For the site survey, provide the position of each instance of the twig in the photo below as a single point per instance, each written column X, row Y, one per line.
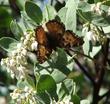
column 84, row 71
column 15, row 8
column 81, row 54
column 100, row 76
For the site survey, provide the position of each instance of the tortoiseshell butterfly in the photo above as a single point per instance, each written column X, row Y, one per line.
column 52, row 36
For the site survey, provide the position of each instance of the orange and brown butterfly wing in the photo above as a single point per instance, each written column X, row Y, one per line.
column 43, row 50
column 55, row 29
column 70, row 40
column 41, row 36
column 43, row 53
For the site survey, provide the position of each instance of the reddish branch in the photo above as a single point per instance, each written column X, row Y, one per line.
column 84, row 71
column 101, row 73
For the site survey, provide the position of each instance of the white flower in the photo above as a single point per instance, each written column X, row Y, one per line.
column 12, row 74
column 96, row 8
column 91, row 35
column 25, row 42
column 24, row 52
column 22, row 38
column 16, row 63
column 19, row 45
column 13, row 53
column 2, row 62
column 33, row 39
column 34, row 45
column 26, row 89
column 28, row 37
column 25, row 33
column 12, row 62
column 23, row 95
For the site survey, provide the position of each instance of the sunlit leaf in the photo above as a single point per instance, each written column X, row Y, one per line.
column 49, row 13
column 8, row 44
column 70, row 19
column 85, row 102
column 31, row 81
column 95, row 50
column 16, row 30
column 62, row 14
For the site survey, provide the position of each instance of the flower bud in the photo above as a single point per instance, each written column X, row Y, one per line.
column 92, row 36
column 34, row 45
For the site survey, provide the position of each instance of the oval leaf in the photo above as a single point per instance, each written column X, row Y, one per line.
column 46, row 83
column 34, row 12
column 70, row 20
column 8, row 44
column 62, row 14
column 16, row 30
column 49, row 13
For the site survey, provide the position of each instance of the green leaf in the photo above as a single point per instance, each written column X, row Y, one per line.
column 61, row 61
column 22, row 84
column 100, row 21
column 26, row 21
column 5, row 18
column 96, row 19
column 95, row 50
column 8, row 44
column 70, row 19
column 84, row 6
column 69, row 85
column 85, row 102
column 21, row 4
column 85, row 16
column 58, row 76
column 16, row 30
column 43, row 98
column 65, row 88
column 46, row 83
column 30, row 81
column 75, row 99
column 106, row 29
column 34, row 12
column 107, row 2
column 49, row 13
column 62, row 57
column 61, row 91
column 62, row 14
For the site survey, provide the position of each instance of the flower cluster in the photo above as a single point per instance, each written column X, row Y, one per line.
column 29, row 41
column 24, row 96
column 93, row 34
column 16, row 64
column 96, row 8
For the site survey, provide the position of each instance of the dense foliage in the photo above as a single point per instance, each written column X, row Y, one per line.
column 74, row 75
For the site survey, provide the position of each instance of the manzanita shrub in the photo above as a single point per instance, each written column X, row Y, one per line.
column 76, row 75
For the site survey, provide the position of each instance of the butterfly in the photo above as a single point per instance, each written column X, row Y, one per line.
column 54, row 35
